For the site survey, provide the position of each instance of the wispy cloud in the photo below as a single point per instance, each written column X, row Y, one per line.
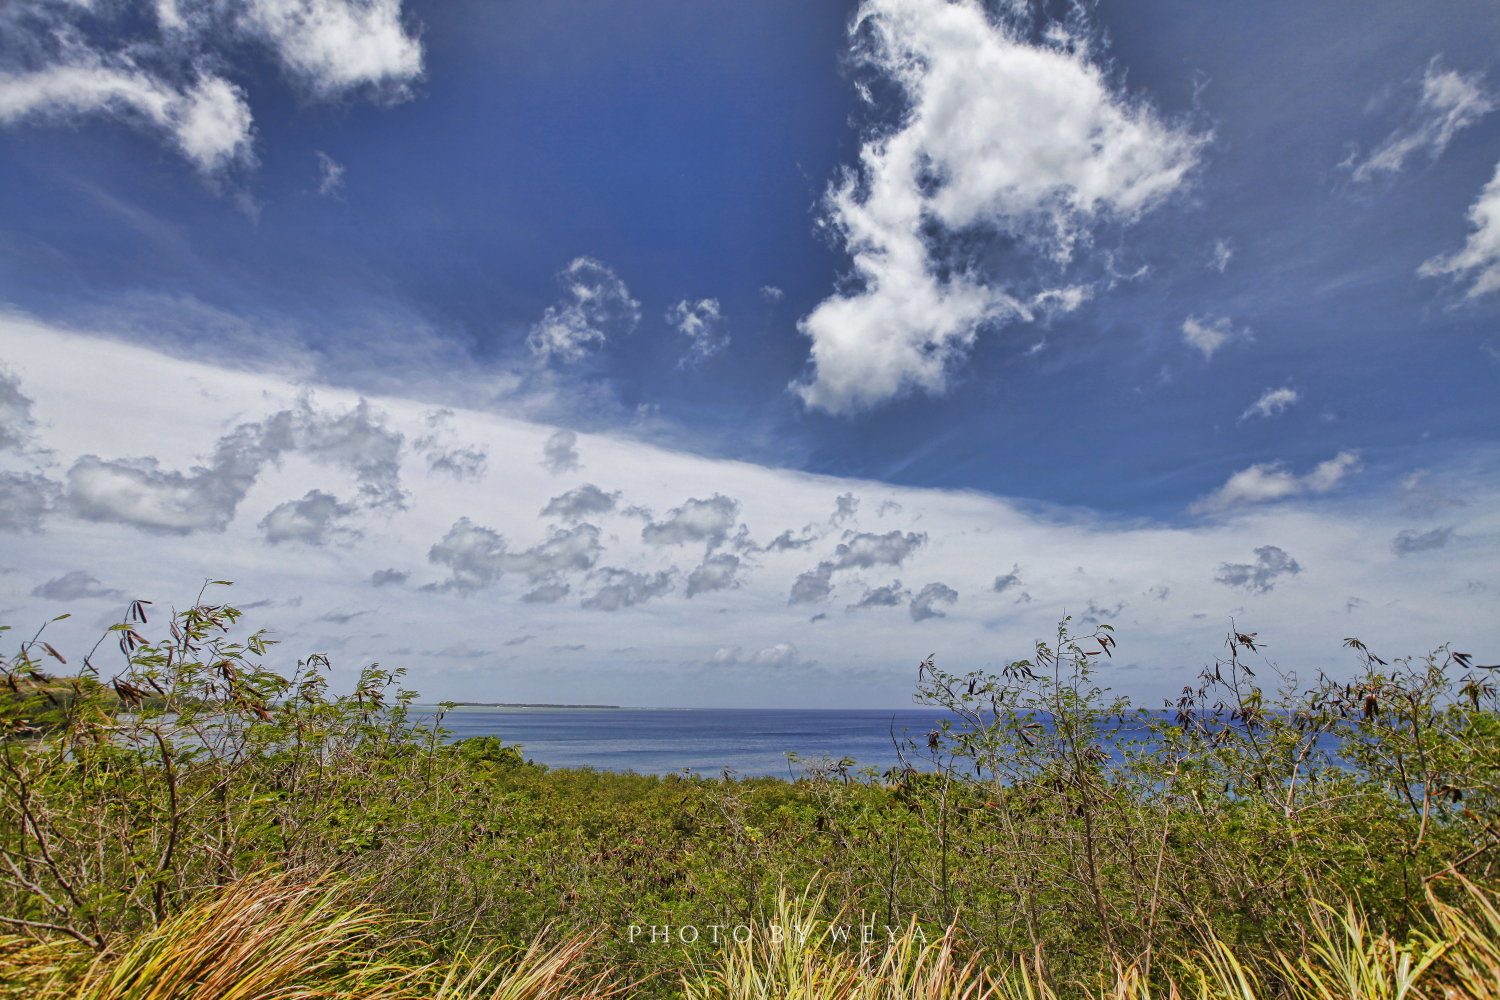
column 1260, row 576
column 1273, row 481
column 1450, row 103
column 1478, row 262
column 595, row 306
column 701, row 323
column 1272, row 403
column 1209, row 333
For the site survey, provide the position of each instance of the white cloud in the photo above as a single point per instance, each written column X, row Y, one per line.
column 520, row 578
column 334, row 46
column 1479, row 260
column 1268, row 481
column 209, row 121
column 1029, row 141
column 782, row 654
column 163, row 82
column 700, row 323
column 696, row 520
column 1210, row 332
column 771, row 293
column 1450, row 103
column 595, row 306
column 1272, row 403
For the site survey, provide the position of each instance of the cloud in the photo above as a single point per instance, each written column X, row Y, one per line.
column 695, row 521
column 577, row 504
column 1450, row 103
column 1210, row 333
column 547, row 593
column 595, row 305
column 559, row 454
column 1479, row 260
column 1259, row 576
column 700, row 322
column 845, row 507
column 1272, row 403
column 784, row 542
column 782, row 654
column 335, row 46
column 624, row 589
column 310, row 520
column 1009, row 580
column 26, row 498
column 1001, row 137
column 69, row 61
column 716, row 573
column 771, row 293
column 461, row 463
column 385, row 577
column 74, row 586
column 889, row 596
column 137, row 492
column 16, row 421
column 1409, row 541
column 208, row 120
column 860, row 551
column 330, row 176
column 1222, row 252
column 477, row 556
column 1272, row 481
column 922, row 605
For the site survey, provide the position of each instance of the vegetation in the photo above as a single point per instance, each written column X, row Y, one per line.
column 200, row 825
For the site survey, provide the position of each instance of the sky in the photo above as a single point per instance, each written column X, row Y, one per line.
column 690, row 354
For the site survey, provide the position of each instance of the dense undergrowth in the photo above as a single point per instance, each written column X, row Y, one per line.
column 1052, row 835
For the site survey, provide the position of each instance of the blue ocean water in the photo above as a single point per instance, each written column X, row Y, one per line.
column 751, row 742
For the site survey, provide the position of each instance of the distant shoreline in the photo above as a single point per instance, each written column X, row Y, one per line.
column 517, row 704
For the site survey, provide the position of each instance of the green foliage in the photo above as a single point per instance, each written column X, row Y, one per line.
column 1047, row 820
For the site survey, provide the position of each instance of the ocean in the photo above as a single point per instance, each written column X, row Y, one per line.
column 751, row 742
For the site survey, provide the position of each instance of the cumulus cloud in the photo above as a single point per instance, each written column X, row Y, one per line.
column 1259, row 576
column 559, row 453
column 1478, row 262
column 1273, row 481
column 138, row 492
column 771, row 293
column 859, row 551
column 547, row 593
column 1209, row 333
column 577, row 504
column 462, row 463
column 1450, row 103
column 623, row 589
column 1023, row 141
column 75, row 586
column 69, row 61
column 696, row 520
column 477, row 556
column 335, row 46
column 700, row 322
column 889, row 596
column 1272, row 403
column 922, row 605
column 16, row 421
column 25, row 500
column 595, row 306
column 1409, row 541
column 386, row 577
column 844, row 508
column 717, row 572
column 310, row 520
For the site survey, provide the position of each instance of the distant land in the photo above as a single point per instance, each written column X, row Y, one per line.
column 512, row 704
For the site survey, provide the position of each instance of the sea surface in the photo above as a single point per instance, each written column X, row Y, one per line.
column 750, row 742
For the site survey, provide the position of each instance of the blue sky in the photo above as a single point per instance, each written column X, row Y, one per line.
column 1188, row 290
